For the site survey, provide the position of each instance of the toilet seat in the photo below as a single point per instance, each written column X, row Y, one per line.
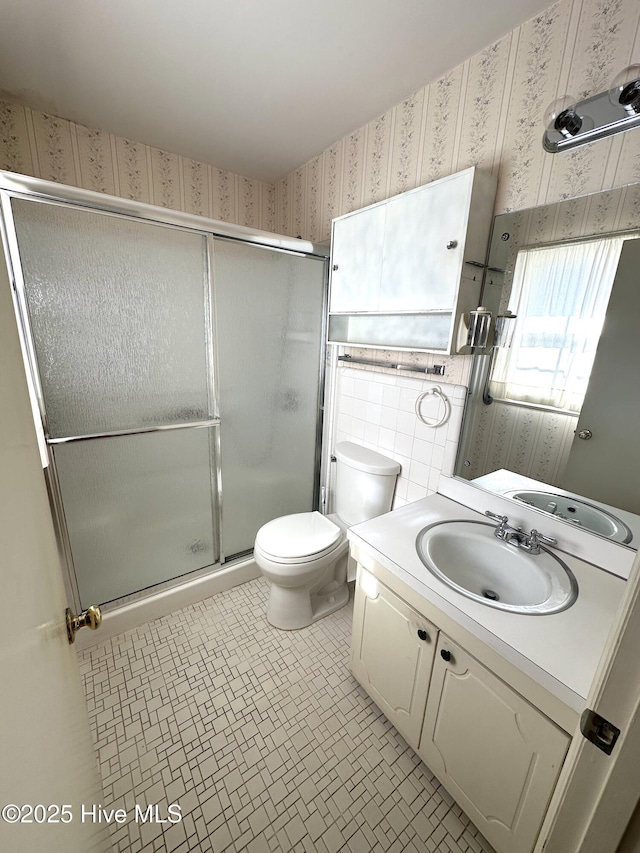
column 298, row 538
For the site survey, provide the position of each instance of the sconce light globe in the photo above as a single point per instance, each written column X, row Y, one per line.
column 625, row 90
column 561, row 116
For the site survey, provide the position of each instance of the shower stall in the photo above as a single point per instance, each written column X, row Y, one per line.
column 176, row 367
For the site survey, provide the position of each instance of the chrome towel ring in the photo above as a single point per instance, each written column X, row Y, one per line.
column 435, row 422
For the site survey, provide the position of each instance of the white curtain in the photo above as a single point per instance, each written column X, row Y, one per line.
column 560, row 295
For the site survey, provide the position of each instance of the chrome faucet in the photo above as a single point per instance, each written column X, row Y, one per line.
column 529, row 542
column 504, row 530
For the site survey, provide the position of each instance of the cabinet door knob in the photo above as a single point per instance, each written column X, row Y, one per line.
column 334, row 267
column 422, row 634
column 445, row 654
column 452, row 244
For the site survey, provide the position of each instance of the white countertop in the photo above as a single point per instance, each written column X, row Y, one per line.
column 560, row 651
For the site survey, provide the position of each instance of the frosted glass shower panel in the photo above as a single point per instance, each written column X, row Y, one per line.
column 118, row 310
column 139, row 509
column 269, row 310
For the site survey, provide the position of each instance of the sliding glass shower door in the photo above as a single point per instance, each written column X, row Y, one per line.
column 269, row 321
column 179, row 377
column 119, row 312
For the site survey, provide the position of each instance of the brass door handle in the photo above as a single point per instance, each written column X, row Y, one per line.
column 89, row 618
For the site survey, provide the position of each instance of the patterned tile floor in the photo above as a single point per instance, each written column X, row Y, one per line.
column 263, row 738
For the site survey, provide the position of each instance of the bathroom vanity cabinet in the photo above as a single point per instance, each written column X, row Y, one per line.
column 489, row 699
column 395, row 674
column 404, row 269
column 496, row 749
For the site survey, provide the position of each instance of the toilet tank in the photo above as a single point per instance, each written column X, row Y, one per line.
column 365, row 481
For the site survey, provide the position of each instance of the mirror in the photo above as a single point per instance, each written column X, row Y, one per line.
column 531, row 451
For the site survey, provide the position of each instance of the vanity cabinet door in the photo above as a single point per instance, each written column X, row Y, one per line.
column 498, row 756
column 392, row 651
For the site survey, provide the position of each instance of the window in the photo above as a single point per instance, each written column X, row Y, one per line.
column 560, row 295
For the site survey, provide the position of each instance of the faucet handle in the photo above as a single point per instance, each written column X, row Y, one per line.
column 503, row 519
column 536, row 538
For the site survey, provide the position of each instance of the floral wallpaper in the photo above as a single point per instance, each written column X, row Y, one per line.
column 526, row 441
column 486, row 112
column 54, row 149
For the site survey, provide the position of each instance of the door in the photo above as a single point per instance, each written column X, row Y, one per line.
column 45, row 742
column 606, row 465
column 497, row 755
column 392, row 652
column 599, row 791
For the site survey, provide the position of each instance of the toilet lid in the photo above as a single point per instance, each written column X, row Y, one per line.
column 298, row 535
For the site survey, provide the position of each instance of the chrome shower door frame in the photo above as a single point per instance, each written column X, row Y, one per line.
column 31, row 189
column 46, row 442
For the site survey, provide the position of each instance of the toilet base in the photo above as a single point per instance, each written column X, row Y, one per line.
column 293, row 608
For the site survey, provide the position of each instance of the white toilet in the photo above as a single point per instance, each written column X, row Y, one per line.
column 304, row 556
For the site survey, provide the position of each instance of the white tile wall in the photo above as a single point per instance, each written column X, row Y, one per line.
column 377, row 410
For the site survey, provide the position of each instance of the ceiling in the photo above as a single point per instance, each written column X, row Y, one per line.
column 257, row 87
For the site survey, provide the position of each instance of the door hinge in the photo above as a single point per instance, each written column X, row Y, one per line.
column 599, row 731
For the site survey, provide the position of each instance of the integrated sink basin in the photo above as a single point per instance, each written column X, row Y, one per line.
column 469, row 558
column 579, row 512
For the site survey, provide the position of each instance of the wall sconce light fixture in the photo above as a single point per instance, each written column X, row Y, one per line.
column 569, row 123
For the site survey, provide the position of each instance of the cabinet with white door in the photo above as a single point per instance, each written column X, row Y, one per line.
column 404, row 269
column 496, row 753
column 392, row 653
